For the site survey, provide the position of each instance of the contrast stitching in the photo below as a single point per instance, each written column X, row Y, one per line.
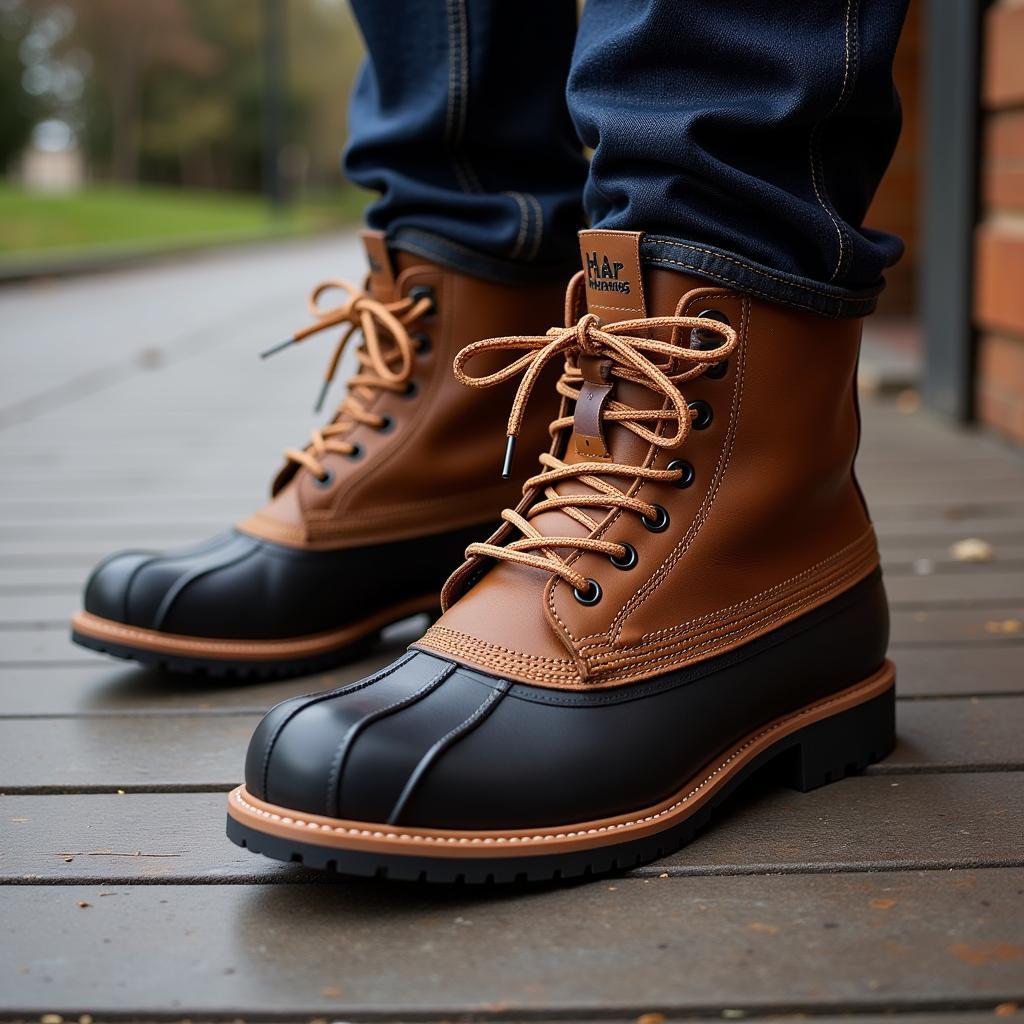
column 458, row 94
column 538, row 235
column 779, row 725
column 814, row 149
column 524, row 224
column 750, row 267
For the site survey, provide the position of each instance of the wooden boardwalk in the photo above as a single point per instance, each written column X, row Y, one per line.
column 133, row 412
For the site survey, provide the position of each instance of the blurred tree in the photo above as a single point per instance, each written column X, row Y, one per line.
column 128, row 42
column 19, row 109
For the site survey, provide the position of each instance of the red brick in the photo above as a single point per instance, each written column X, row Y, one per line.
column 999, row 277
column 1003, row 70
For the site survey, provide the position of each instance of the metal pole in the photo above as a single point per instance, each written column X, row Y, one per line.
column 274, row 100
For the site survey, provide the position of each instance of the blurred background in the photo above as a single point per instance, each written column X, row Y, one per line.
column 145, row 127
column 152, row 123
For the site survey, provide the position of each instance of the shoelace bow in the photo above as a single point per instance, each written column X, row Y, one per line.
column 385, row 363
column 631, row 356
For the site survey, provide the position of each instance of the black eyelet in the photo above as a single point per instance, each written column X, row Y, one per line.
column 657, row 524
column 387, row 423
column 326, row 480
column 705, row 414
column 700, row 339
column 589, row 596
column 411, row 390
column 424, row 291
column 356, row 453
column 689, row 473
column 717, row 370
column 422, row 342
column 628, row 560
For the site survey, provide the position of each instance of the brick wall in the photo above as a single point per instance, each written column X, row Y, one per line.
column 999, row 254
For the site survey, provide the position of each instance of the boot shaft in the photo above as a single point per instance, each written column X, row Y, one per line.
column 764, row 521
column 437, row 457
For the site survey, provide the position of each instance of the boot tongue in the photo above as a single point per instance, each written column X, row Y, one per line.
column 614, row 291
column 382, row 283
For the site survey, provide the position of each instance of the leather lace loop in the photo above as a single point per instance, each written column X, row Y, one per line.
column 633, row 353
column 385, row 358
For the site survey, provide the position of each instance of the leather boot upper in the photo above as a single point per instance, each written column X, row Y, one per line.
column 759, row 521
column 425, row 451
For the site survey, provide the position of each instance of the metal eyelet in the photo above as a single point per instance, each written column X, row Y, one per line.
column 424, row 291
column 717, row 370
column 628, row 560
column 422, row 342
column 411, row 389
column 589, row 596
column 700, row 339
column 657, row 524
column 705, row 414
column 326, row 480
column 387, row 424
column 356, row 453
column 689, row 473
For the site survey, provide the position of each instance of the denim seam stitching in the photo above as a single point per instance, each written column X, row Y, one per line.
column 751, row 268
column 458, row 88
column 817, row 170
column 538, row 213
column 751, row 290
column 524, row 224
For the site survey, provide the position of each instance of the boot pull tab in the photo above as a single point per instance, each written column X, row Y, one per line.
column 588, row 420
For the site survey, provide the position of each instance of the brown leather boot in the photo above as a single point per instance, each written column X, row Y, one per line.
column 366, row 520
column 688, row 590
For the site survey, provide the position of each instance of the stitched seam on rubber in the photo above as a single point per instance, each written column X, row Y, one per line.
column 353, row 731
column 817, row 171
column 326, row 695
column 779, row 725
column 429, row 759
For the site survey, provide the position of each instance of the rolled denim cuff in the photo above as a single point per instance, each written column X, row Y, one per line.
column 477, row 264
column 734, row 271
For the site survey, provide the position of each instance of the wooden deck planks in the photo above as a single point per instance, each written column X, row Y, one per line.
column 895, row 895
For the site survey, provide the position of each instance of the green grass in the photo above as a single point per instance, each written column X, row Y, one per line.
column 37, row 227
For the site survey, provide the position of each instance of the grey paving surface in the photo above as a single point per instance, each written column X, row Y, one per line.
column 133, row 409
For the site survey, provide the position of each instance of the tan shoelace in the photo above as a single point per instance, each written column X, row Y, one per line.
column 631, row 360
column 385, row 363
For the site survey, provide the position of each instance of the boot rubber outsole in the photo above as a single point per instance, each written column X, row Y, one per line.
column 263, row 659
column 817, row 744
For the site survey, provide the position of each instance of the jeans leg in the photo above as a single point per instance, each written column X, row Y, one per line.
column 745, row 139
column 459, row 121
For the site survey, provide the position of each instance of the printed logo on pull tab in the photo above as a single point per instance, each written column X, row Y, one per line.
column 611, row 268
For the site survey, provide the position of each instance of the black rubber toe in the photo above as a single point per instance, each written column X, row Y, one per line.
column 239, row 587
column 431, row 743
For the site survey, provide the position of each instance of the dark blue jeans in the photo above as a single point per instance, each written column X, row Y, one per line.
column 745, row 139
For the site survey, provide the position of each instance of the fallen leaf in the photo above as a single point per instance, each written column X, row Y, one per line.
column 908, row 402
column 986, row 953
column 972, row 549
column 84, row 903
column 765, row 929
column 1006, row 1009
column 651, row 1018
column 880, row 904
